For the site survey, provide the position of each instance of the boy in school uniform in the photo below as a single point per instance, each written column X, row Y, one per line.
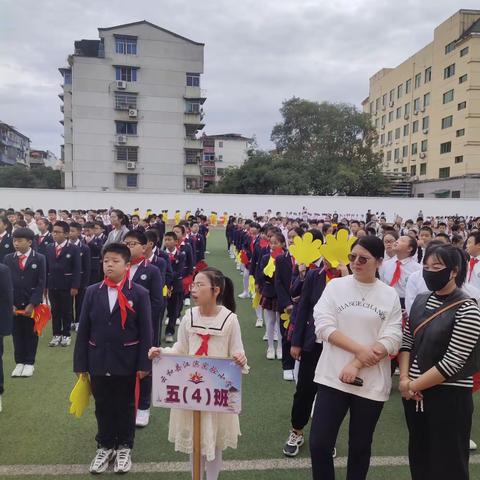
column 198, row 241
column 184, row 244
column 114, row 336
column 44, row 238
column 6, row 308
column 143, row 273
column 85, row 270
column 28, row 272
column 177, row 260
column 95, row 245
column 6, row 244
column 63, row 282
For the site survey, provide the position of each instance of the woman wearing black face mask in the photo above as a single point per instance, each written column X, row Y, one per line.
column 440, row 352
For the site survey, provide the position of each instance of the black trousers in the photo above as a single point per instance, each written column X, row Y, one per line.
column 288, row 363
column 438, row 446
column 1, row 366
column 306, row 388
column 174, row 308
column 79, row 302
column 25, row 340
column 331, row 406
column 62, row 311
column 115, row 409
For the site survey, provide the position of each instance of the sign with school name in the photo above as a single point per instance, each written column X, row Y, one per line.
column 197, row 383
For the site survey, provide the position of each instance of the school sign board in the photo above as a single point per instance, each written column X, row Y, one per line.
column 197, row 383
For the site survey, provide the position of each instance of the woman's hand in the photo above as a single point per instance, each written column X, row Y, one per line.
column 367, row 356
column 240, row 359
column 154, row 352
column 348, row 373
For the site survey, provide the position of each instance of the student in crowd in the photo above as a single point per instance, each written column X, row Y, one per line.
column 119, row 223
column 425, row 236
column 199, row 242
column 6, row 244
column 6, row 308
column 44, row 237
column 473, row 250
column 95, row 245
column 389, row 239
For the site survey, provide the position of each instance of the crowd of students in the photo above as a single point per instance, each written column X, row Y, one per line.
column 407, row 302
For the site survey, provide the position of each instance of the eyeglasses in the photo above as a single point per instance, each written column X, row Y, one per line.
column 131, row 244
column 194, row 286
column 361, row 260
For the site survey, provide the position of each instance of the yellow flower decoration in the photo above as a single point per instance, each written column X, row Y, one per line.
column 213, row 219
column 165, row 291
column 80, row 396
column 269, row 269
column 165, row 215
column 187, row 214
column 285, row 317
column 177, row 217
column 305, row 250
column 336, row 249
column 256, row 300
column 251, row 284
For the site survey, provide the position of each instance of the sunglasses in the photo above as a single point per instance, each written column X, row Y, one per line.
column 361, row 260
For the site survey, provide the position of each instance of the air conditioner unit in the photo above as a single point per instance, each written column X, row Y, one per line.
column 406, row 117
column 121, row 84
column 415, row 112
column 131, row 165
column 425, row 131
column 422, row 155
column 121, row 139
column 132, row 112
column 392, row 103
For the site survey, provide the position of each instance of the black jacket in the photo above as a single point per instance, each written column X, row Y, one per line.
column 6, row 301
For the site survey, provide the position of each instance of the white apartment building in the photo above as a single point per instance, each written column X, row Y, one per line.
column 132, row 108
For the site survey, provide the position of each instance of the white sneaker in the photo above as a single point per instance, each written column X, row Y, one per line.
column 66, row 341
column 275, row 337
column 123, row 460
column 169, row 338
column 17, row 371
column 55, row 341
column 177, row 322
column 244, row 295
column 28, row 371
column 187, row 302
column 166, row 321
column 259, row 323
column 207, row 252
column 270, row 354
column 265, row 338
column 143, row 417
column 473, row 445
column 279, row 352
column 101, row 460
column 288, row 375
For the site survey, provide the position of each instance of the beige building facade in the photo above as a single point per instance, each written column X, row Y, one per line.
column 427, row 112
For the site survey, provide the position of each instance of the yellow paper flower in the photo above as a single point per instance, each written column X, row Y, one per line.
column 285, row 318
column 269, row 269
column 256, row 300
column 165, row 216
column 177, row 217
column 80, row 396
column 336, row 249
column 305, row 250
column 251, row 284
column 165, row 291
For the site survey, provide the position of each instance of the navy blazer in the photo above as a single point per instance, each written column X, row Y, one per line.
column 304, row 329
column 6, row 246
column 258, row 253
column 203, row 231
column 41, row 245
column 86, row 264
column 189, row 260
column 283, row 280
column 178, row 270
column 266, row 284
column 6, row 301
column 95, row 246
column 199, row 243
column 64, row 272
column 163, row 255
column 102, row 345
column 29, row 283
column 149, row 277
column 162, row 266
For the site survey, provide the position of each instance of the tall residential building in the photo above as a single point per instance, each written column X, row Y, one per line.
column 14, row 146
column 220, row 152
column 427, row 112
column 132, row 108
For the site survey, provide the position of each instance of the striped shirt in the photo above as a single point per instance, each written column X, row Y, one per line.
column 466, row 331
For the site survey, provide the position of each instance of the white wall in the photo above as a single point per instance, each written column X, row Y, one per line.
column 234, row 204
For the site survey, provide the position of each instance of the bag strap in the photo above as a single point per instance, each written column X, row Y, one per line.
column 436, row 314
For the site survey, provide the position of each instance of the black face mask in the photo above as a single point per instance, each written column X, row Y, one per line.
column 437, row 280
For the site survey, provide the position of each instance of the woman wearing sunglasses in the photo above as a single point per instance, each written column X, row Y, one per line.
column 359, row 320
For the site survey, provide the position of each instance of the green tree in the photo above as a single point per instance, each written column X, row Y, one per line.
column 17, row 176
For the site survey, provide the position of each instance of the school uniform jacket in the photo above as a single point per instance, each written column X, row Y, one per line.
column 266, row 284
column 6, row 301
column 64, row 272
column 6, row 246
column 149, row 277
column 199, row 243
column 95, row 246
column 284, row 265
column 258, row 253
column 103, row 346
column 189, row 259
column 162, row 255
column 177, row 263
column 29, row 283
column 86, row 264
column 42, row 242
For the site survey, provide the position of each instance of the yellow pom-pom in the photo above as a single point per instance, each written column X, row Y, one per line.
column 305, row 250
column 165, row 291
column 256, row 300
column 336, row 249
column 269, row 269
column 285, row 318
column 80, row 396
column 251, row 284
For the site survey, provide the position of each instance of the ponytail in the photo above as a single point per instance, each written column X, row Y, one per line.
column 228, row 297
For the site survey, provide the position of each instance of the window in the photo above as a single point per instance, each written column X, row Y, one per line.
column 384, row 120
column 127, row 74
column 426, row 100
column 459, row 159
column 396, row 154
column 390, row 136
column 450, row 47
column 192, row 183
column 416, row 105
column 462, row 105
column 448, row 96
column 220, row 158
column 413, row 170
column 384, row 99
column 408, row 85
column 463, row 51
column 132, row 180
column 455, row 193
column 420, row 195
column 209, row 157
column 418, row 80
column 382, row 139
column 415, row 126
column 399, row 112
column 67, row 77
column 377, row 104
column 400, row 91
column 461, row 132
column 445, row 147
column 447, row 122
column 389, row 156
column 405, row 151
column 406, row 130
column 444, row 172
column 449, row 71
column 404, row 169
column 125, row 101
column 397, row 133
column 423, row 169
column 414, row 149
column 428, row 74
column 391, row 95
column 463, row 78
column 407, row 109
column 424, row 146
column 390, row 116
column 126, row 45
column 126, row 154
column 376, row 123
column 193, row 80
column 192, row 107
column 425, row 123
column 126, row 128
column 220, row 144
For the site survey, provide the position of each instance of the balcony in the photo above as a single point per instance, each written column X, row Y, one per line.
column 193, row 144
column 194, row 119
column 195, row 93
column 191, row 170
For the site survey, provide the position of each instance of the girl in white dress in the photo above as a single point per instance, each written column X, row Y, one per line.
column 213, row 317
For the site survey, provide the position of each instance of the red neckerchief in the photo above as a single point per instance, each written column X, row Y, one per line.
column 263, row 243
column 122, row 299
column 136, row 261
column 276, row 252
column 471, row 264
column 203, row 349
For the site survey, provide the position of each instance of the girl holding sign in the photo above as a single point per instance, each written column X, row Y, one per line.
column 209, row 329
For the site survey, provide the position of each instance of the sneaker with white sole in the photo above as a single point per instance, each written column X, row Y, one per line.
column 55, row 341
column 166, row 322
column 270, row 354
column 123, row 460
column 101, row 460
column 279, row 352
column 473, row 445
column 259, row 323
column 265, row 338
column 17, row 371
column 178, row 321
column 143, row 417
column 293, row 444
column 66, row 341
column 169, row 338
column 27, row 371
column 334, row 452
column 244, row 295
column 288, row 375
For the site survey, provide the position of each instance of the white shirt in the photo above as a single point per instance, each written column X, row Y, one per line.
column 133, row 270
column 62, row 245
column 368, row 313
column 112, row 297
column 407, row 267
column 27, row 254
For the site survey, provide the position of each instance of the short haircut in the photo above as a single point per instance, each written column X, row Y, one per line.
column 135, row 216
column 139, row 236
column 181, row 227
column 76, row 225
column 152, row 235
column 373, row 245
column 475, row 235
column 63, row 225
column 23, row 233
column 171, row 235
column 119, row 248
column 52, row 210
column 427, row 229
column 393, row 233
column 89, row 224
column 446, row 237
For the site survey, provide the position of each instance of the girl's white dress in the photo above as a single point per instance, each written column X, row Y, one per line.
column 219, row 430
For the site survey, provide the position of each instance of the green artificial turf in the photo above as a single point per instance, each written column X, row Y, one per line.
column 36, row 428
